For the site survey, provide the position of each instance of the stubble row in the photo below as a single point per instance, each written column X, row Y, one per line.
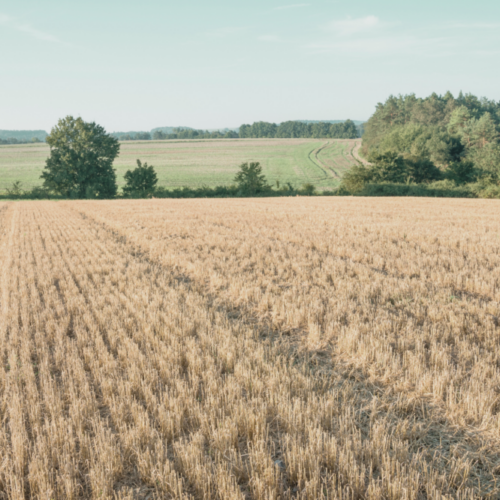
column 249, row 349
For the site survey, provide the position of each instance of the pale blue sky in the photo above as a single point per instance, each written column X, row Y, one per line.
column 135, row 65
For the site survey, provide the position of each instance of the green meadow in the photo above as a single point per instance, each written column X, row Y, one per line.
column 192, row 163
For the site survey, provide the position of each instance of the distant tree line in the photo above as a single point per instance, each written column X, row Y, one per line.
column 137, row 136
column 299, row 129
column 439, row 139
column 80, row 166
column 289, row 129
column 13, row 140
column 188, row 133
column 22, row 136
column 444, row 147
column 178, row 133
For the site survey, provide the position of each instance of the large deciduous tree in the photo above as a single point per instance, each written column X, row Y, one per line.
column 81, row 158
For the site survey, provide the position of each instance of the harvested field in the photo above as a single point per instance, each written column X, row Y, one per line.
column 304, row 348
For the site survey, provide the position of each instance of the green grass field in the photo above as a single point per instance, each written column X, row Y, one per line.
column 206, row 162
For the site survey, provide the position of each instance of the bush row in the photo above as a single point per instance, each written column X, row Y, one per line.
column 434, row 190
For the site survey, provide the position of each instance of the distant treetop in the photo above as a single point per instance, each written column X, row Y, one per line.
column 301, row 129
column 23, row 135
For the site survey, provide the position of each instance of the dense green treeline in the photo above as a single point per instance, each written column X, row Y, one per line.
column 434, row 146
column 289, row 129
column 435, row 123
column 298, row 129
column 188, row 133
column 176, row 133
column 410, row 140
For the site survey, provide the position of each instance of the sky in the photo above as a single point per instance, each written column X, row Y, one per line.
column 136, row 65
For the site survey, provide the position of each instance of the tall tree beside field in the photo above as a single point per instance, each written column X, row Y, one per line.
column 81, row 160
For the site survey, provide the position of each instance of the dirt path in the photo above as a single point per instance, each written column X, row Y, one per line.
column 355, row 152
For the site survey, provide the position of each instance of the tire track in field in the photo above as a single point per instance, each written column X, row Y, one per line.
column 348, row 156
column 313, row 158
column 329, row 171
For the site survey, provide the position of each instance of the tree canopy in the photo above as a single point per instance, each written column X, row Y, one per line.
column 299, row 129
column 289, row 129
column 436, row 137
column 173, row 133
column 141, row 181
column 81, row 158
column 250, row 179
column 446, row 115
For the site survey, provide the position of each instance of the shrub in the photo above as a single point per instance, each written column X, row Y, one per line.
column 421, row 169
column 250, row 179
column 140, row 182
column 15, row 191
column 427, row 190
column 355, row 179
column 388, row 166
column 490, row 191
column 307, row 189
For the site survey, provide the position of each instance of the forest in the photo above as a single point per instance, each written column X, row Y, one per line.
column 440, row 140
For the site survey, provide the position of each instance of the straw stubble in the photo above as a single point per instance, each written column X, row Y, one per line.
column 265, row 349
